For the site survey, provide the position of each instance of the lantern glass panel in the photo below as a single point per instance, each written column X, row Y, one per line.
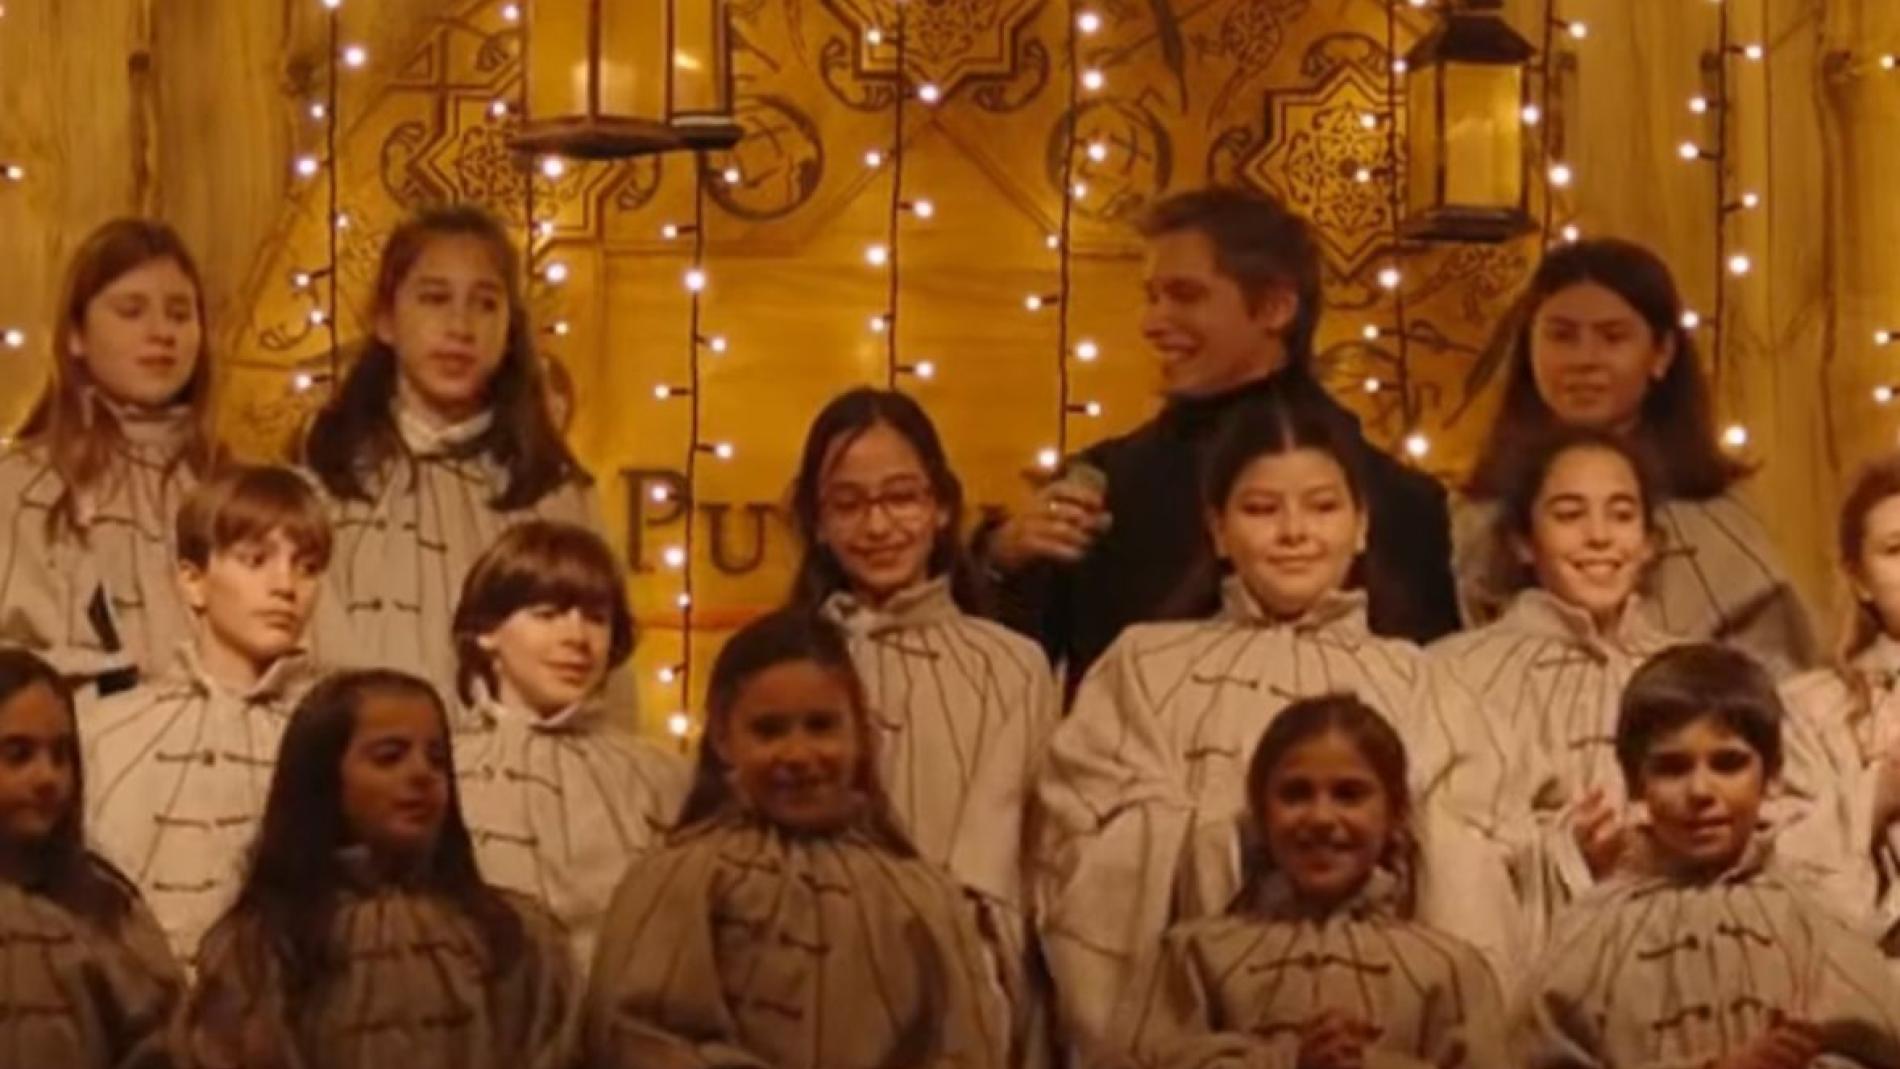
column 1483, row 135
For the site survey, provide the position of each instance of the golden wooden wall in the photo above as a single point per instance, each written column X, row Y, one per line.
column 193, row 109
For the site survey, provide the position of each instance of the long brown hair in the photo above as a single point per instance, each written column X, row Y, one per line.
column 1677, row 421
column 354, row 435
column 74, row 877
column 783, row 637
column 79, row 435
column 1877, row 480
column 539, row 562
column 293, row 882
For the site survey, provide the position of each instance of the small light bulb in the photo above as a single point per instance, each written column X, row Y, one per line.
column 1093, row 409
column 880, row 323
column 1362, row 175
column 684, row 601
column 317, row 318
column 544, row 229
column 1088, row 22
column 1053, row 242
column 553, row 166
column 1400, row 66
column 1883, row 394
column 926, row 370
column 14, row 338
column 1754, row 51
column 1368, row 121
column 1373, row 385
column 670, row 231
column 1739, row 264
column 1691, row 319
column 1033, row 303
column 1047, row 459
column 302, row 381
column 877, row 255
column 1579, row 29
column 556, row 272
column 723, row 450
column 695, row 280
column 874, row 159
column 1087, row 351
column 1390, row 278
column 1689, row 150
column 660, row 494
column 1417, row 445
column 1735, row 436
column 1751, row 200
column 1533, row 115
column 1561, row 175
column 307, row 166
column 355, row 56
column 668, row 674
column 675, row 557
column 14, row 172
column 733, row 176
column 318, row 111
column 1571, row 234
column 924, row 209
column 561, row 328
column 511, row 12
column 717, row 343
column 1371, row 333
column 498, row 109
column 1883, row 337
column 1098, row 151
column 342, row 221
column 680, row 725
column 300, row 281
column 1080, row 189
column 1889, row 62
column 1093, row 80
column 929, row 93
column 661, row 393
column 1699, row 105
column 874, row 37
column 332, row 4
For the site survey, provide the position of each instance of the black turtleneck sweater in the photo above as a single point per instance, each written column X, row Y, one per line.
column 1156, row 562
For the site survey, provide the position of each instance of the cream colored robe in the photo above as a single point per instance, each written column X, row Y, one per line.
column 963, row 708
column 1717, row 576
column 1832, row 762
column 1144, row 790
column 177, row 773
column 1236, row 991
column 397, row 571
column 1650, row 971
column 560, row 806
column 75, row 996
column 1552, row 677
column 415, row 989
column 744, row 947
column 107, row 599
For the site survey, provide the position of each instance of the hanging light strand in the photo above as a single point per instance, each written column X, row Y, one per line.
column 893, row 364
column 1395, row 207
column 694, row 348
column 334, row 200
column 1065, row 402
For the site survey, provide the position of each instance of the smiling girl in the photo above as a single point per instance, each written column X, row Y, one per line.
column 1597, row 341
column 790, row 923
column 1319, row 963
column 1144, row 784
column 437, row 440
column 120, row 435
column 1577, row 517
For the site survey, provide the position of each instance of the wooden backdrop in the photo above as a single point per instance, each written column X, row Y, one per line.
column 193, row 110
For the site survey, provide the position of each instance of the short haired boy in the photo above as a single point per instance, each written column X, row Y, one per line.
column 1705, row 952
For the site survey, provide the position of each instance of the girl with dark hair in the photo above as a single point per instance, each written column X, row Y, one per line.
column 182, row 762
column 1577, row 517
column 119, row 437
column 1844, row 737
column 89, row 983
column 1319, row 960
column 1597, row 340
column 1705, row 949
column 438, row 439
column 560, row 799
column 790, row 922
column 363, row 936
column 962, row 706
column 1143, row 786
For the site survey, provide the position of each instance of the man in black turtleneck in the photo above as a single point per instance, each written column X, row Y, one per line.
column 1233, row 298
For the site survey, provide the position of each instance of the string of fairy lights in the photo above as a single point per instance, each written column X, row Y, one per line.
column 318, row 283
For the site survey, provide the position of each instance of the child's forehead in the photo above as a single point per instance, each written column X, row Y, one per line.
column 1702, row 730
column 791, row 687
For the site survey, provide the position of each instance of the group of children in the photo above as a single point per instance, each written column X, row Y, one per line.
column 320, row 766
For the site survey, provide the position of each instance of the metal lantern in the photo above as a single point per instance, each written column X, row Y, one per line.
column 1467, row 166
column 615, row 78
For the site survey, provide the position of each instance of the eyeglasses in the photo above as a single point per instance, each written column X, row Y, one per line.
column 903, row 503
